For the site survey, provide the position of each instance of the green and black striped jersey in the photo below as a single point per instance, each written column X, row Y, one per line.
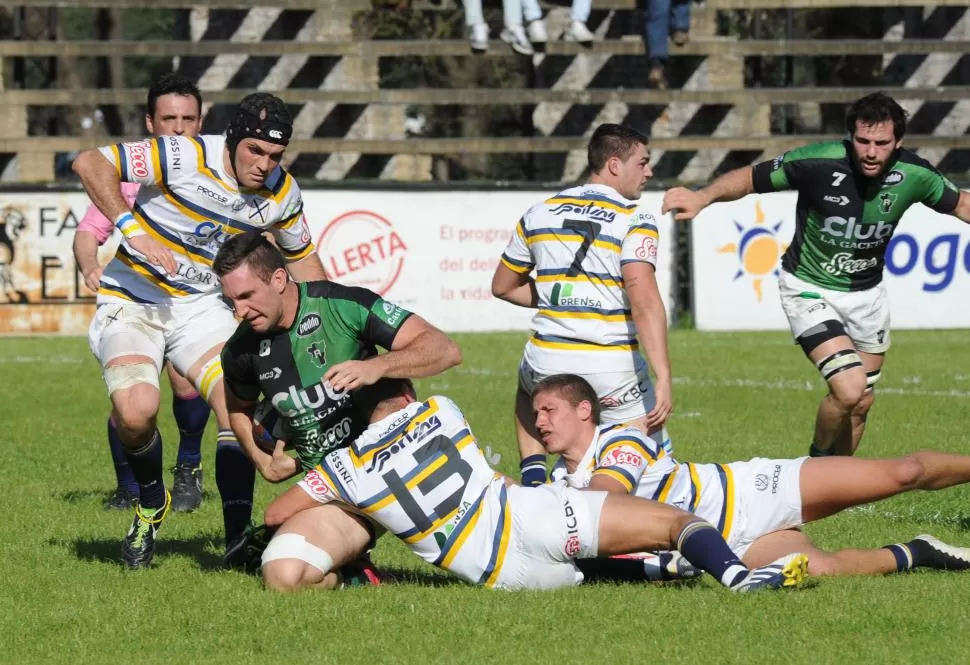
column 844, row 220
column 333, row 323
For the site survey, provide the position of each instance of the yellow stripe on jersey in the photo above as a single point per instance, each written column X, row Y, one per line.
column 284, row 190
column 668, row 485
column 156, row 147
column 728, row 501
column 463, row 536
column 171, row 289
column 299, row 254
column 599, row 203
column 177, row 248
column 520, row 229
column 579, row 346
column 581, row 277
column 503, row 546
column 329, row 479
column 615, row 475
column 290, row 221
column 204, row 168
column 108, row 290
column 640, row 231
column 547, row 237
column 522, row 270
column 695, row 484
column 552, row 314
column 360, row 460
column 117, row 154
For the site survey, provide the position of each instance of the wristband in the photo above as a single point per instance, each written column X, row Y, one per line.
column 128, row 225
column 533, row 470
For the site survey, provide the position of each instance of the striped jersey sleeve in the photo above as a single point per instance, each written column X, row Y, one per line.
column 517, row 256
column 641, row 240
column 291, row 232
column 138, row 162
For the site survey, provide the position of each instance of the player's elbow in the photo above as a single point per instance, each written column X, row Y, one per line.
column 451, row 352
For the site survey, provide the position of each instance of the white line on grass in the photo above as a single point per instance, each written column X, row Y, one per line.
column 810, row 386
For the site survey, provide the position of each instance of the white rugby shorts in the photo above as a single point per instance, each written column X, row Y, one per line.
column 768, row 498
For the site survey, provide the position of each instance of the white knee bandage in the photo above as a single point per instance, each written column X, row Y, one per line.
column 209, row 377
column 120, row 377
column 295, row 546
column 872, row 378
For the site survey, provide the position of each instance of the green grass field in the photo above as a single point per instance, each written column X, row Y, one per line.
column 64, row 596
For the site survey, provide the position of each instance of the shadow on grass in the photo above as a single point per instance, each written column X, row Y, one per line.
column 77, row 496
column 108, row 550
column 420, row 577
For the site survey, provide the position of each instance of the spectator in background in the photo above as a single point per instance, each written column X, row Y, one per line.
column 663, row 19
column 477, row 28
column 523, row 25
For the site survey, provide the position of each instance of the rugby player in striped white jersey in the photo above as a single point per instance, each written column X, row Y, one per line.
column 757, row 505
column 586, row 259
column 158, row 298
column 419, row 473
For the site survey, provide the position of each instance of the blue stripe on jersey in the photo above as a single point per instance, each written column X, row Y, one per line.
column 724, row 484
column 161, row 276
column 569, row 340
column 390, row 436
column 594, row 310
column 275, row 185
column 644, row 225
column 503, row 499
column 562, row 272
column 624, row 262
column 335, row 479
column 209, row 214
column 171, row 237
column 571, row 234
column 516, row 262
column 123, row 162
column 460, row 528
column 124, row 293
column 633, row 442
column 662, row 484
column 623, row 472
column 205, row 159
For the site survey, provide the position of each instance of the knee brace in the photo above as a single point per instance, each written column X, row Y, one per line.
column 295, row 546
column 823, row 332
column 119, row 377
column 838, row 362
column 209, row 377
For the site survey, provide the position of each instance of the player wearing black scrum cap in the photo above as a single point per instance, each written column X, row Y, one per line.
column 159, row 298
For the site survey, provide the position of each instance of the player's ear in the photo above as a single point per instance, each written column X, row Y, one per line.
column 279, row 279
column 584, row 409
column 149, row 125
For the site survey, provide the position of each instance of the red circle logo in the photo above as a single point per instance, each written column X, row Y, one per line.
column 361, row 248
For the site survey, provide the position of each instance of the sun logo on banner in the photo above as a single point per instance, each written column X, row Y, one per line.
column 758, row 250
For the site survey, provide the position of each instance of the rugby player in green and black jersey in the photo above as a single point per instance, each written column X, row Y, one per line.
column 306, row 347
column 851, row 196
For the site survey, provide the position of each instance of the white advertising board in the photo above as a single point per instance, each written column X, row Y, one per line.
column 736, row 253
column 430, row 251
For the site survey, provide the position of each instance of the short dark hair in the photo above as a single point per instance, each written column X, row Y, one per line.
column 369, row 398
column 875, row 108
column 574, row 389
column 611, row 140
column 253, row 249
column 171, row 84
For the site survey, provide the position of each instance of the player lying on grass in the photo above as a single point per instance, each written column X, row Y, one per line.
column 757, row 505
column 418, row 472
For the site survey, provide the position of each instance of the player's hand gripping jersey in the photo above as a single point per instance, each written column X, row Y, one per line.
column 844, row 221
column 577, row 242
column 333, row 323
column 420, row 474
column 191, row 205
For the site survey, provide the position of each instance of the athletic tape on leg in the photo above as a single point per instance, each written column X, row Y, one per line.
column 119, row 377
column 295, row 546
column 209, row 377
column 838, row 362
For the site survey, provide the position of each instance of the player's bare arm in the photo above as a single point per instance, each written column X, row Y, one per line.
column 601, row 483
column 86, row 254
column 419, row 349
column 687, row 204
column 273, row 467
column 307, row 269
column 518, row 288
column 650, row 319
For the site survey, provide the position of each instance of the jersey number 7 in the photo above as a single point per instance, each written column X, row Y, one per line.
column 428, row 455
column 588, row 230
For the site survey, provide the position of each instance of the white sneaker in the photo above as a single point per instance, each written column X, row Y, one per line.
column 479, row 37
column 578, row 32
column 514, row 36
column 537, row 32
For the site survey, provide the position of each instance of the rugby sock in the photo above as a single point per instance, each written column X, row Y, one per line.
column 813, row 451
column 191, row 415
column 903, row 555
column 146, row 465
column 235, row 478
column 925, row 554
column 533, row 470
column 123, row 474
column 703, row 546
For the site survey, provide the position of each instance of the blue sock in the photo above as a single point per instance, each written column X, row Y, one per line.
column 191, row 416
column 235, row 478
column 123, row 475
column 904, row 557
column 703, row 546
column 146, row 465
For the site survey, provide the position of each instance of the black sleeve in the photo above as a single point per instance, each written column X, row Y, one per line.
column 238, row 370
